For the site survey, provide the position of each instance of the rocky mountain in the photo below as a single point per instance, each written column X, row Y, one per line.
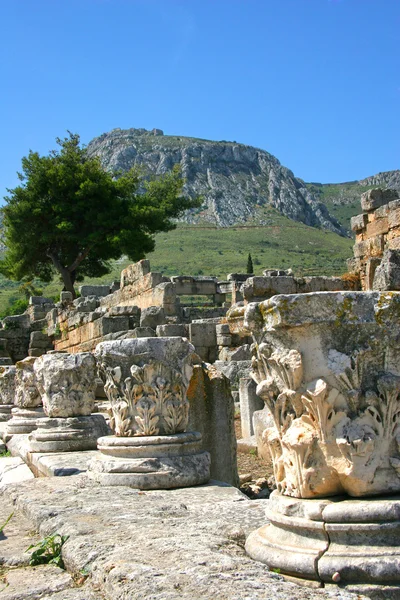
column 237, row 182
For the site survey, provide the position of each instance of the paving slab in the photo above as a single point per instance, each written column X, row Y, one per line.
column 185, row 544
column 32, row 583
column 13, row 470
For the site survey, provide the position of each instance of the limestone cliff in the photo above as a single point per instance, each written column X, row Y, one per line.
column 236, row 181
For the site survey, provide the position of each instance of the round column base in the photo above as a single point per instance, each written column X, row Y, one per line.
column 24, row 420
column 151, row 462
column 5, row 412
column 338, row 540
column 67, row 434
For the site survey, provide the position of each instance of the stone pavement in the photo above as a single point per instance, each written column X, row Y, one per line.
column 185, row 544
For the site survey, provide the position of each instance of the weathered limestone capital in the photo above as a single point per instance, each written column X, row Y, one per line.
column 327, row 365
column 67, row 383
column 27, row 394
column 146, row 380
column 7, row 391
column 28, row 402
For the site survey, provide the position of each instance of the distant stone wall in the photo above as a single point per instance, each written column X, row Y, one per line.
column 377, row 229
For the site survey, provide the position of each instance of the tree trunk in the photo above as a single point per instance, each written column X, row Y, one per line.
column 68, row 281
column 68, row 276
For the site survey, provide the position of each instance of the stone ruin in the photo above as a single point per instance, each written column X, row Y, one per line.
column 130, row 386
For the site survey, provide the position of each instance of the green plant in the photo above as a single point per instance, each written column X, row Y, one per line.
column 71, row 217
column 249, row 268
column 48, row 551
column 16, row 308
column 253, row 452
column 5, row 454
column 7, row 521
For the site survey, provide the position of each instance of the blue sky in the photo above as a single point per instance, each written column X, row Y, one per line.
column 314, row 82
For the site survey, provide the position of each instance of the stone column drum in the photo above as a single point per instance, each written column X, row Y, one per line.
column 28, row 402
column 67, row 384
column 7, row 391
column 327, row 365
column 146, row 381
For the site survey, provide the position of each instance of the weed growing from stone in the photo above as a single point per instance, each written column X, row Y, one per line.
column 48, row 551
column 7, row 521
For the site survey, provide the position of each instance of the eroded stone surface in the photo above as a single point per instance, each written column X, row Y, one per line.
column 67, row 383
column 181, row 544
column 26, row 391
column 146, row 381
column 327, row 366
column 7, row 385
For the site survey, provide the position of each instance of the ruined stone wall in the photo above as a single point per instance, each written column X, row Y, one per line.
column 377, row 229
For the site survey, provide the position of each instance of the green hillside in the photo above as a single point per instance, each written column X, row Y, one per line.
column 208, row 250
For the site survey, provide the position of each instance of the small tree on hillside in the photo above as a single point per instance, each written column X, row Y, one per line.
column 249, row 268
column 70, row 216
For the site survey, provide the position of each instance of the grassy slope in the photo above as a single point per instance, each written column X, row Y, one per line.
column 196, row 250
column 341, row 199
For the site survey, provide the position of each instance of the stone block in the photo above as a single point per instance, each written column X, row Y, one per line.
column 222, row 329
column 212, row 414
column 239, row 277
column 94, row 290
column 377, row 197
column 379, row 226
column 394, row 204
column 36, row 352
column 40, row 300
column 134, row 272
column 66, row 297
column 188, row 286
column 143, row 332
column 393, row 244
column 74, row 336
column 202, row 334
column 262, row 419
column 383, row 211
column 249, row 403
column 172, row 330
column 113, row 324
column 265, row 287
column 359, row 222
column 152, row 317
column 387, row 274
column 131, row 311
column 224, row 340
column 394, row 218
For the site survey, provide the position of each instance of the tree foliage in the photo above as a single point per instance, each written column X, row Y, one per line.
column 70, row 216
column 249, row 268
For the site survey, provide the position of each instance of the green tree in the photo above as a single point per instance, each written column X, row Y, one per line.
column 72, row 217
column 249, row 268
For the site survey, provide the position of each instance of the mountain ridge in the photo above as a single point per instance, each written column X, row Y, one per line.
column 237, row 181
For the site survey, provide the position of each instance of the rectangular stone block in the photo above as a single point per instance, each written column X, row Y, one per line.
column 222, row 329
column 224, row 340
column 377, row 197
column 394, row 218
column 212, row 413
column 74, row 336
column 202, row 334
column 249, row 403
column 379, row 226
column 393, row 244
column 113, row 324
column 172, row 330
column 94, row 290
column 359, row 222
column 134, row 272
column 265, row 287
